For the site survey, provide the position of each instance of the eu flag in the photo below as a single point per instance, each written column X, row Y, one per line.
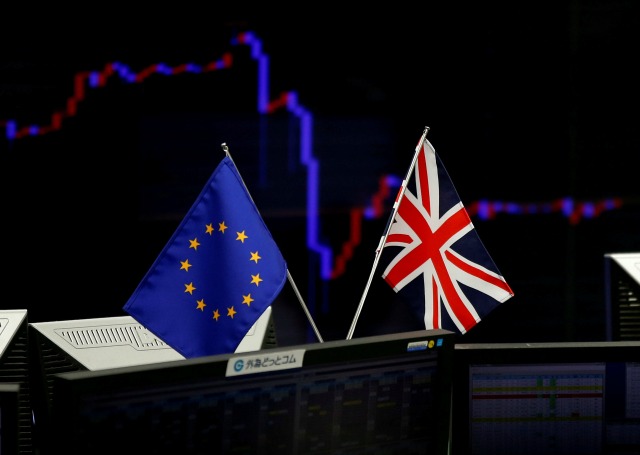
column 218, row 273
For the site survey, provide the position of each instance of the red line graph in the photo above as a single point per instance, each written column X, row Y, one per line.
column 387, row 185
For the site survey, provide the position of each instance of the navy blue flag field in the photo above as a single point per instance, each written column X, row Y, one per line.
column 218, row 273
column 440, row 265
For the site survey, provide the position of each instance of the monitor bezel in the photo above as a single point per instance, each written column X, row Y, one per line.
column 543, row 353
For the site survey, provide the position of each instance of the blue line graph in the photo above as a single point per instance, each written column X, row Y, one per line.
column 332, row 265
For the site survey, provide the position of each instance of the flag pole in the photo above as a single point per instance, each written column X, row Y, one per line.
column 383, row 239
column 225, row 148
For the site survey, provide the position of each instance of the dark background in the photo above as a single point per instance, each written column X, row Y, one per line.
column 526, row 103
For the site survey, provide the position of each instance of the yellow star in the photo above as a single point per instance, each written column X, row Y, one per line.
column 209, row 229
column 194, row 243
column 247, row 299
column 255, row 257
column 216, row 314
column 255, row 279
column 189, row 288
column 241, row 236
column 185, row 265
column 231, row 312
column 222, row 227
column 201, row 305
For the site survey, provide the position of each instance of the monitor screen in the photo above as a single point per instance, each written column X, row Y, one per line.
column 572, row 398
column 622, row 294
column 382, row 394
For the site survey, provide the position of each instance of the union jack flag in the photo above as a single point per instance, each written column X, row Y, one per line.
column 442, row 263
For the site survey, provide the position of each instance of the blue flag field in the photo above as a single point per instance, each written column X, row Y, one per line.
column 217, row 274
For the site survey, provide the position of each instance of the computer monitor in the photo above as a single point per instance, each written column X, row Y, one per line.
column 386, row 394
column 574, row 398
column 622, row 294
column 14, row 373
column 104, row 343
